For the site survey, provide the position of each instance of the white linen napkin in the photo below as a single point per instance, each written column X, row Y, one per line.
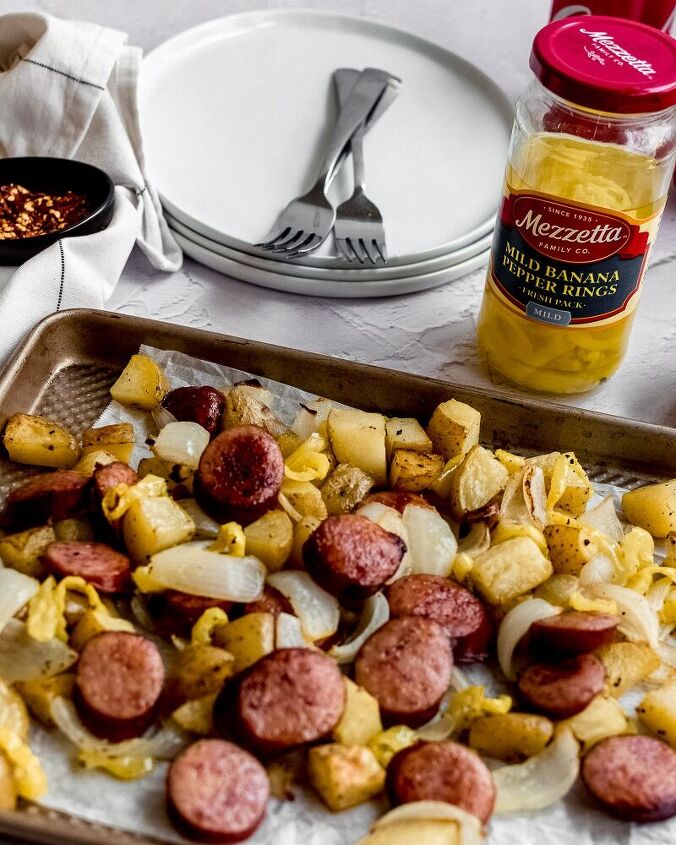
column 68, row 89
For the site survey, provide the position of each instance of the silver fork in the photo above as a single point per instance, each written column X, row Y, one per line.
column 306, row 221
column 358, row 229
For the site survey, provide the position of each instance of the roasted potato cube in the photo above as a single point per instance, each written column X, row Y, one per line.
column 248, row 638
column 657, row 711
column 442, row 484
column 198, row 671
column 360, row 721
column 626, row 664
column 95, row 622
column 415, row 832
column 305, row 498
column 40, row 442
column 270, row 539
column 557, row 589
column 414, row 471
column 406, row 433
column 387, row 743
column 23, row 551
column 301, row 532
column 652, row 508
column 602, row 718
column 345, row 488
column 141, row 384
column 454, row 428
column 478, row 479
column 117, row 440
column 176, row 475
column 570, row 547
column 512, row 737
column 40, row 693
column 73, row 529
column 345, row 775
column 509, row 570
column 358, row 438
column 670, row 555
column 91, row 459
column 196, row 715
column 155, row 523
column 13, row 713
column 243, row 406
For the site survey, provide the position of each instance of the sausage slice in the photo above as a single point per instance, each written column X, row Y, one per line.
column 287, row 699
column 442, row 771
column 107, row 570
column 351, row 556
column 217, row 792
column 407, row 666
column 397, row 499
column 632, row 777
column 272, row 601
column 48, row 496
column 563, row 689
column 110, row 475
column 572, row 633
column 174, row 612
column 202, row 405
column 118, row 684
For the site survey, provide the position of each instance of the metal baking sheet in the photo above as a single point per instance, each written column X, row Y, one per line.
column 66, row 366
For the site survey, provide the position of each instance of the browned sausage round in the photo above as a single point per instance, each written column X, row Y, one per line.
column 118, row 684
column 203, row 405
column 351, row 556
column 455, row 608
column 174, row 612
column 107, row 570
column 110, row 475
column 287, row 699
column 442, row 771
column 572, row 633
column 217, row 792
column 397, row 499
column 272, row 601
column 407, row 666
column 50, row 495
column 240, row 474
column 632, row 777
column 563, row 689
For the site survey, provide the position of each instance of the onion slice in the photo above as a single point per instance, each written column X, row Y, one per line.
column 604, row 518
column 318, row 611
column 16, row 590
column 638, row 621
column 599, row 570
column 477, row 541
column 289, row 632
column 162, row 416
column 375, row 614
column 540, row 781
column 206, row 528
column 515, row 625
column 468, row 825
column 432, row 545
column 24, row 659
column 182, row 443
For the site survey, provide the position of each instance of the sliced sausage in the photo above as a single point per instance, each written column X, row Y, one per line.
column 174, row 612
column 572, row 633
column 397, row 499
column 563, row 689
column 110, row 475
column 202, row 405
column 454, row 607
column 217, row 792
column 240, row 474
column 272, row 601
column 118, row 684
column 48, row 496
column 406, row 665
column 351, row 556
column 287, row 699
column 442, row 771
column 632, row 777
column 102, row 567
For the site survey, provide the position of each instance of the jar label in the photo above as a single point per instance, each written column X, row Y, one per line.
column 565, row 263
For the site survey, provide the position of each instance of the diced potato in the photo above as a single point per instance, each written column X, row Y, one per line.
column 558, row 589
column 248, row 638
column 657, row 711
column 360, row 721
column 95, row 622
column 117, row 440
column 243, row 406
column 73, row 529
column 305, row 498
column 198, row 671
column 477, row 480
column 155, row 523
column 602, row 718
column 387, row 743
column 568, row 487
column 454, row 428
column 358, row 438
column 23, row 551
column 443, row 483
column 506, row 530
column 626, row 664
column 512, row 737
column 196, row 715
column 345, row 488
column 141, row 384
column 13, row 713
column 39, row 442
column 91, row 459
column 415, row 832
column 176, row 475
column 301, row 532
column 270, row 539
column 345, row 775
column 406, row 433
column 509, row 570
column 7, row 788
column 414, row 471
column 570, row 547
column 652, row 508
column 40, row 693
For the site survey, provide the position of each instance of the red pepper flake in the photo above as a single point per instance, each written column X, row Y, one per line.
column 28, row 214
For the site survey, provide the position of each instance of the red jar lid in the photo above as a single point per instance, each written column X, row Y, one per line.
column 608, row 64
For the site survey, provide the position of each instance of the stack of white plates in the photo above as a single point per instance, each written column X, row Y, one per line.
column 236, row 114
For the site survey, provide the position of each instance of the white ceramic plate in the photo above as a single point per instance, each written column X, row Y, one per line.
column 236, row 114
column 322, row 286
column 356, row 274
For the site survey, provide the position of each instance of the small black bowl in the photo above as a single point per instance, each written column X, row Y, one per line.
column 54, row 176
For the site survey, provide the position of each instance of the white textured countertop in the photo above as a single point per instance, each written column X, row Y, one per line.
column 432, row 332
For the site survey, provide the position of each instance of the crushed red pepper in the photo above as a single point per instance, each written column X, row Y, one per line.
column 28, row 214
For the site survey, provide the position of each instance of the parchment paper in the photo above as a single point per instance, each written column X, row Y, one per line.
column 138, row 806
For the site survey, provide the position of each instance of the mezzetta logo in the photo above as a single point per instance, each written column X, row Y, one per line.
column 607, row 41
column 598, row 235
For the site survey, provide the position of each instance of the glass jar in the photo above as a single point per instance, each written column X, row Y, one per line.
column 589, row 167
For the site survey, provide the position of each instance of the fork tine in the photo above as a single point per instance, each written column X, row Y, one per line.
column 341, row 246
column 354, row 249
column 364, row 244
column 382, row 250
column 289, row 243
column 273, row 236
column 310, row 243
